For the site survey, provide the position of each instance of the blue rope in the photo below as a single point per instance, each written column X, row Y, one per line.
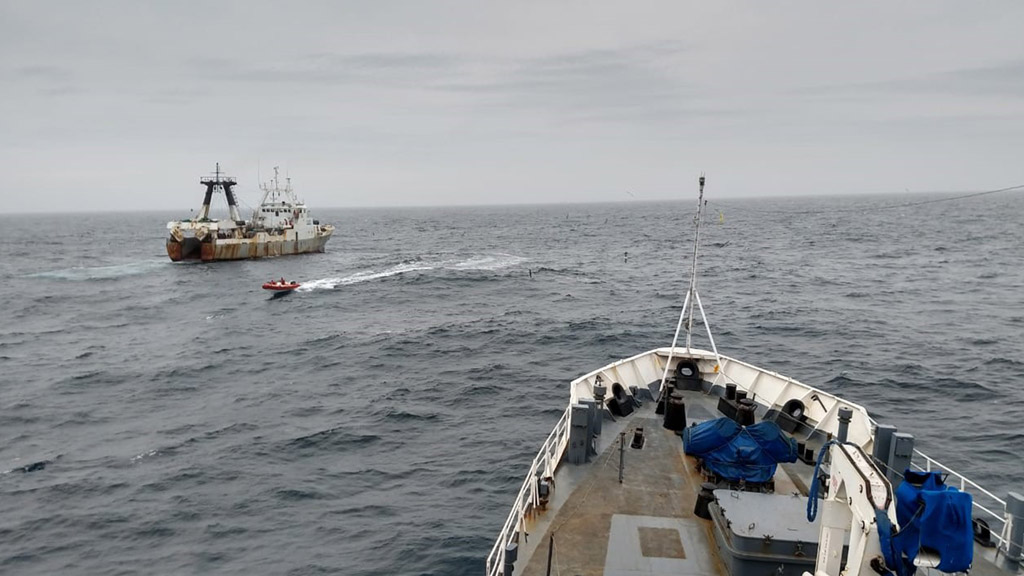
column 812, row 498
column 887, row 540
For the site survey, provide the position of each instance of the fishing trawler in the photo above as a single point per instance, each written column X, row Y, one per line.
column 280, row 226
column 684, row 461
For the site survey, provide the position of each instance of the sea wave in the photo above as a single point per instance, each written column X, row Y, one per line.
column 112, row 272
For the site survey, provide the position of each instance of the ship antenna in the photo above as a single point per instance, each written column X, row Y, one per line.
column 691, row 295
column 693, row 263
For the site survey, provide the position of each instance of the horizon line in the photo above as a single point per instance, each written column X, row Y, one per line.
column 633, row 200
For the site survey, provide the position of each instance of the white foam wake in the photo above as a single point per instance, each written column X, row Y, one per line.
column 485, row 262
column 331, row 283
column 85, row 273
column 489, row 262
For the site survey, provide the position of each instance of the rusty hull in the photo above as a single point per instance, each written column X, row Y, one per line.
column 243, row 248
column 187, row 249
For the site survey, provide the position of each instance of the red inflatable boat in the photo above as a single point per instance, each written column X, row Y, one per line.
column 281, row 285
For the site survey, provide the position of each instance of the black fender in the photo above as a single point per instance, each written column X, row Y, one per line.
column 795, row 409
column 687, row 370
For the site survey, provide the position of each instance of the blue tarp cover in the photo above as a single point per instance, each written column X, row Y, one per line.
column 735, row 453
column 935, row 516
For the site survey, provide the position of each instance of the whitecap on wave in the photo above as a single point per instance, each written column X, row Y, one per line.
column 489, row 262
column 138, row 457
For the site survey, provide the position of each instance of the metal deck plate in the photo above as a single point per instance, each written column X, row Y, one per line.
column 656, row 546
column 753, row 516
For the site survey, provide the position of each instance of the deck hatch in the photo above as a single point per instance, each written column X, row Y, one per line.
column 660, row 542
column 641, row 546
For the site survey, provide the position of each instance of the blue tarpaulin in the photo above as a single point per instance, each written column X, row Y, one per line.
column 934, row 516
column 735, row 452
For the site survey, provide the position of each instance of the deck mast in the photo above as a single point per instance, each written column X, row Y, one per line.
column 691, row 295
column 276, row 194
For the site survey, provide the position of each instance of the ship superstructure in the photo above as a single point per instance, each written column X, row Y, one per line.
column 280, row 226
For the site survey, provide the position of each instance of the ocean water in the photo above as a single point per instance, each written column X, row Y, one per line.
column 173, row 419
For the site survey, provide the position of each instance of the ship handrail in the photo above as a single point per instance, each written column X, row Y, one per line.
column 1002, row 536
column 543, row 466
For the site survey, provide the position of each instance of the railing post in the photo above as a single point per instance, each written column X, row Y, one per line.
column 592, row 416
column 551, row 549
column 622, row 454
column 599, row 392
column 1015, row 515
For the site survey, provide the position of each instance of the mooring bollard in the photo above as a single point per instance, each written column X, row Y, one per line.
column 845, row 416
column 511, row 554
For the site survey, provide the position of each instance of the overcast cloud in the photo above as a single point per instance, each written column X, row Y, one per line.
column 124, row 105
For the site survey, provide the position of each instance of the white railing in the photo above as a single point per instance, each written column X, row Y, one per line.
column 1000, row 532
column 543, row 466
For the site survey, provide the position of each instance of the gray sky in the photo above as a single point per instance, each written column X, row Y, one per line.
column 108, row 105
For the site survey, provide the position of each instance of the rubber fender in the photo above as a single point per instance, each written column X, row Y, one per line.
column 795, row 409
column 620, row 404
column 687, row 369
column 982, row 533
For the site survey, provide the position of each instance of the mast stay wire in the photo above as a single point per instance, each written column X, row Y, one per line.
column 869, row 209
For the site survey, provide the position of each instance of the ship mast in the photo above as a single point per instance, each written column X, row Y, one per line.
column 218, row 183
column 691, row 295
column 273, row 194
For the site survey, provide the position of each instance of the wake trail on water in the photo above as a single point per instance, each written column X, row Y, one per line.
column 113, row 272
column 485, row 262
